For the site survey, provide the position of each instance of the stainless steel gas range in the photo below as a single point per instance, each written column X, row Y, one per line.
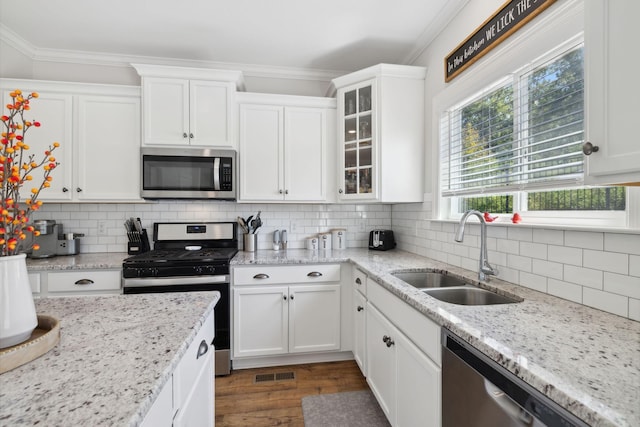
column 189, row 257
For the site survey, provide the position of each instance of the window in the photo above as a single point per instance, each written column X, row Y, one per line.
column 516, row 146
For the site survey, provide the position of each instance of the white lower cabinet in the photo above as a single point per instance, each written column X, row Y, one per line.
column 84, row 281
column 296, row 310
column 359, row 330
column 286, row 319
column 359, row 307
column 403, row 360
column 187, row 399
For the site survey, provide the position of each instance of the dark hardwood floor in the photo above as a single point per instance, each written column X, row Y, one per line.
column 241, row 401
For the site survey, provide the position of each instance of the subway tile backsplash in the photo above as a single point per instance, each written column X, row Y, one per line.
column 103, row 223
column 599, row 269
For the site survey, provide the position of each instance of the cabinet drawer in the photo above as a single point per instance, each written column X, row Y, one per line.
column 190, row 365
column 424, row 333
column 84, row 281
column 359, row 281
column 312, row 273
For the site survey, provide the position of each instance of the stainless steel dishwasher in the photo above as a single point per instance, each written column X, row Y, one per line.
column 477, row 392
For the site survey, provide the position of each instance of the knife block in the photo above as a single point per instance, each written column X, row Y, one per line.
column 138, row 243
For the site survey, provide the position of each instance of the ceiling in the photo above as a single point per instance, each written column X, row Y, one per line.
column 323, row 35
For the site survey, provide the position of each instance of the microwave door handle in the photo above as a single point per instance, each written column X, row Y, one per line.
column 216, row 173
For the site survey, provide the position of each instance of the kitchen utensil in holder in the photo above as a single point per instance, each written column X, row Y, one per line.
column 138, row 242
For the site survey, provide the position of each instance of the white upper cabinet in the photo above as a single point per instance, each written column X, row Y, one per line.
column 98, row 128
column 284, row 148
column 380, row 133
column 188, row 106
column 612, row 93
column 108, row 136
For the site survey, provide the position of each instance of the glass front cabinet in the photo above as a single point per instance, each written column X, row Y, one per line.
column 357, row 136
column 381, row 134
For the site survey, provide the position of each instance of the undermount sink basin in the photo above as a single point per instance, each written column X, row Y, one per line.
column 468, row 295
column 428, row 279
column 451, row 289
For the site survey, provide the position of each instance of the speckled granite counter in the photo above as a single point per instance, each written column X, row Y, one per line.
column 586, row 360
column 90, row 261
column 115, row 354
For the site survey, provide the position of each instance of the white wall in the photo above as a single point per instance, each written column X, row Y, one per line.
column 596, row 268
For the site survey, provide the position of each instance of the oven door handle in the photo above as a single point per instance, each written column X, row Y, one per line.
column 170, row 281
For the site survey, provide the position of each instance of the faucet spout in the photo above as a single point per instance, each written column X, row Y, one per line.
column 484, row 269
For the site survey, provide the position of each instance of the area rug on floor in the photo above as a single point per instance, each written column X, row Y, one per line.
column 349, row 409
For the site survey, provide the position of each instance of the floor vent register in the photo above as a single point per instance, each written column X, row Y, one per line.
column 275, row 376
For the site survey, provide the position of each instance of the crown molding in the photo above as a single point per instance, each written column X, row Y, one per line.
column 445, row 15
column 124, row 60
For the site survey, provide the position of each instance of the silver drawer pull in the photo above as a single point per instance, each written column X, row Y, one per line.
column 261, row 276
column 314, row 274
column 84, row 282
column 202, row 349
column 358, row 281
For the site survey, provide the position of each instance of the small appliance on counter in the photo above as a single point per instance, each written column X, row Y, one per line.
column 53, row 240
column 69, row 243
column 47, row 240
column 381, row 240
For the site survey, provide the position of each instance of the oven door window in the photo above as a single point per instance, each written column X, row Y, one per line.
column 180, row 173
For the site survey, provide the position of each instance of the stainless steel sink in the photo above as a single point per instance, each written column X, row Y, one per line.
column 469, row 295
column 451, row 289
column 428, row 279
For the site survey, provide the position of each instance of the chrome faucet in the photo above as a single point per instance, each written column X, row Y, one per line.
column 485, row 268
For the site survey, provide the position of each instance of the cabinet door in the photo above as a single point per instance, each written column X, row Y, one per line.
column 417, row 386
column 314, row 318
column 381, row 360
column 161, row 412
column 305, row 154
column 261, row 152
column 611, row 91
column 55, row 113
column 260, row 319
column 358, row 137
column 210, row 104
column 198, row 407
column 108, row 148
column 165, row 111
column 359, row 330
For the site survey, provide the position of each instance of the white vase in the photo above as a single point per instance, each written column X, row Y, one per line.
column 18, row 316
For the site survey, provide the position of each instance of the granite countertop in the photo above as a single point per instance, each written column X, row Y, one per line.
column 586, row 360
column 114, row 356
column 89, row 261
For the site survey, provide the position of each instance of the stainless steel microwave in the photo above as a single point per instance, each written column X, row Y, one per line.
column 188, row 173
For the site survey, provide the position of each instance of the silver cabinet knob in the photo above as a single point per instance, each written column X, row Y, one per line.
column 360, row 308
column 340, row 190
column 191, row 135
column 78, row 190
column 588, row 148
column 184, row 135
column 65, row 189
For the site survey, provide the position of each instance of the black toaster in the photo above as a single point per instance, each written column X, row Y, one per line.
column 381, row 240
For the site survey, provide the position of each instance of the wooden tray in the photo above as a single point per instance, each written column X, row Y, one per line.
column 43, row 338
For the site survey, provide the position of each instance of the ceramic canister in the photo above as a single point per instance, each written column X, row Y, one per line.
column 324, row 241
column 339, row 238
column 312, row 243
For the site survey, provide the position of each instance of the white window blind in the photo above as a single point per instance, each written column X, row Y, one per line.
column 523, row 133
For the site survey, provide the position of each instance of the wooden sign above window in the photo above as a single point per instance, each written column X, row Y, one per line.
column 506, row 21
